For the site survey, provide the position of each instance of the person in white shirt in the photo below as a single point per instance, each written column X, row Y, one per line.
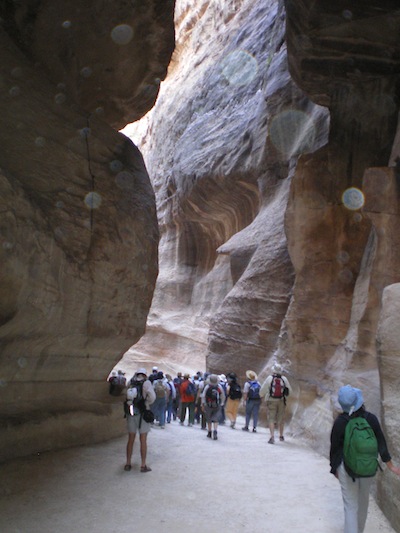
column 275, row 390
column 140, row 395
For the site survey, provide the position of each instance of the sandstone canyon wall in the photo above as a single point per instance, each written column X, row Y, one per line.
column 78, row 225
column 272, row 153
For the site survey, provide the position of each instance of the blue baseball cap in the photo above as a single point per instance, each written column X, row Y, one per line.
column 350, row 399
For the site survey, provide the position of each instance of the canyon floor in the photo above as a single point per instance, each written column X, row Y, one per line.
column 236, row 483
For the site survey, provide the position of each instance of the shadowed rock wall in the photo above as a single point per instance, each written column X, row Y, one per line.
column 78, row 227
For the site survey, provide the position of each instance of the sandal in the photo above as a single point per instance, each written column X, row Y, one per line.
column 145, row 469
column 127, row 468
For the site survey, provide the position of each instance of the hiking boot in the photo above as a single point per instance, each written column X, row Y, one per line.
column 254, row 430
column 215, row 436
column 271, row 440
column 209, row 434
column 245, row 428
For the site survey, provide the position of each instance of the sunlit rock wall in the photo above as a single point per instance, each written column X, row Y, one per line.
column 220, row 145
column 276, row 213
column 78, row 226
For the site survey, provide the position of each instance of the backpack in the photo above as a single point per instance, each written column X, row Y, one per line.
column 191, row 389
column 117, row 385
column 360, row 448
column 277, row 388
column 159, row 389
column 212, row 397
column 254, row 391
column 235, row 392
column 138, row 403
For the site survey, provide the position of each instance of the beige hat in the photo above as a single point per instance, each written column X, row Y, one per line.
column 251, row 375
column 213, row 379
column 142, row 371
column 187, row 376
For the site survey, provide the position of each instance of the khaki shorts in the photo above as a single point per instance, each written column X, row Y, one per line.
column 133, row 424
column 276, row 410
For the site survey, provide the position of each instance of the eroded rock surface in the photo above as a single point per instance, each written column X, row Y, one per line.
column 268, row 248
column 78, row 226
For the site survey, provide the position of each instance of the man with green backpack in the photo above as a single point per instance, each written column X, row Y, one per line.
column 356, row 441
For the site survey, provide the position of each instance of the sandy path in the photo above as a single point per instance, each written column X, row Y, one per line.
column 239, row 483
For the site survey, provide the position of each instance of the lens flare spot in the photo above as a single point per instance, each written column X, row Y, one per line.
column 122, row 34
column 292, row 132
column 347, row 14
column 116, row 166
column 353, row 198
column 239, row 68
column 343, row 257
column 59, row 98
column 86, row 72
column 15, row 91
column 40, row 142
column 93, row 200
column 22, row 362
column 66, row 24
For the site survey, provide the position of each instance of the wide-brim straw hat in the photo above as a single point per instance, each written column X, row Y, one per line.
column 251, row 375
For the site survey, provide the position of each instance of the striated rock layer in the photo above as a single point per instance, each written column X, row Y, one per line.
column 78, row 226
column 276, row 213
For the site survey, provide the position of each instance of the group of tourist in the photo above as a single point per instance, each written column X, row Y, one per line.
column 204, row 398
column 209, row 399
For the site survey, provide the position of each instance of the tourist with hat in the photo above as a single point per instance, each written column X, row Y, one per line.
column 275, row 389
column 252, row 399
column 140, row 395
column 212, row 400
column 234, row 395
column 355, row 489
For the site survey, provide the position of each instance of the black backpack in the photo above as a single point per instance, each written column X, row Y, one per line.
column 138, row 402
column 235, row 391
column 213, row 399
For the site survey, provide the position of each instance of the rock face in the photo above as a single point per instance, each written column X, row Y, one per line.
column 276, row 199
column 78, row 225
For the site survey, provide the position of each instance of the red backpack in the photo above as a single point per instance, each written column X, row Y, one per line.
column 277, row 387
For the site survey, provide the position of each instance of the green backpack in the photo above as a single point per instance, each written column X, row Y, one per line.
column 360, row 450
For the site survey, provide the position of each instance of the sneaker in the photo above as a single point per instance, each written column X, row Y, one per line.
column 181, row 423
column 233, row 425
column 215, row 436
column 271, row 440
column 209, row 434
column 281, row 438
column 245, row 429
column 254, row 430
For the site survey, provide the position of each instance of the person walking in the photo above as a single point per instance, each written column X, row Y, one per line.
column 252, row 399
column 354, row 486
column 234, row 395
column 171, row 398
column 188, row 399
column 276, row 388
column 140, row 396
column 212, row 399
column 162, row 390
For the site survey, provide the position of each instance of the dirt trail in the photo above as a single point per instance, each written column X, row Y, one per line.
column 238, row 483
